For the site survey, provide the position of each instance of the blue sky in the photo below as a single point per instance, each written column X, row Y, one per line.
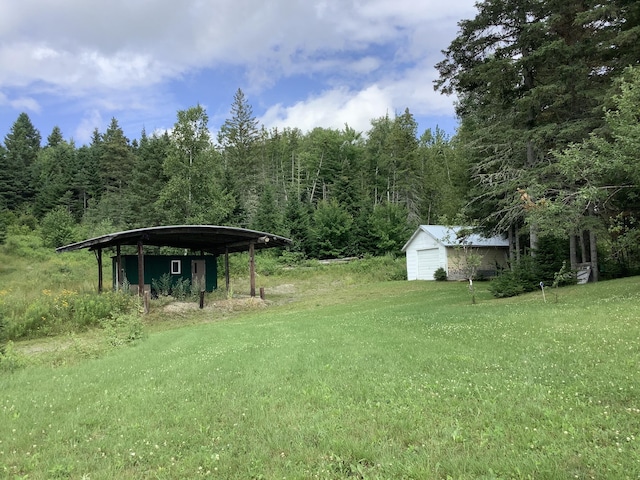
column 300, row 63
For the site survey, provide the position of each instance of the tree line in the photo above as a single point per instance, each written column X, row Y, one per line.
column 334, row 192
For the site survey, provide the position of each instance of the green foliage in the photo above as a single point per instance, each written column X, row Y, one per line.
column 3, row 326
column 67, row 311
column 331, row 230
column 440, row 275
column 519, row 279
column 551, row 254
column 25, row 246
column 10, row 359
column 123, row 328
column 162, row 285
column 193, row 193
column 22, row 144
column 388, row 228
column 58, row 228
column 3, row 231
column 181, row 289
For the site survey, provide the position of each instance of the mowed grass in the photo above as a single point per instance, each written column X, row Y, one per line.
column 384, row 380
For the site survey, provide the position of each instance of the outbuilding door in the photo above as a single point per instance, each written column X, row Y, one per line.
column 198, row 273
column 428, row 263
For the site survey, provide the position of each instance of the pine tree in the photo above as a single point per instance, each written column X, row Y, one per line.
column 22, row 145
column 116, row 158
column 238, row 138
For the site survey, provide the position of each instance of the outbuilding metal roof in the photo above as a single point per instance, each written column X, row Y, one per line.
column 207, row 238
column 456, row 236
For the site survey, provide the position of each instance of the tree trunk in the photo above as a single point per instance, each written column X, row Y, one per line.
column 573, row 254
column 594, row 255
column 511, row 246
column 533, row 240
column 583, row 247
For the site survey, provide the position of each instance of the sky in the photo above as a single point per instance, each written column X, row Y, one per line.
column 300, row 63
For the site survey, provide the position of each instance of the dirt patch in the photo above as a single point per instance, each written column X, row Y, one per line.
column 225, row 305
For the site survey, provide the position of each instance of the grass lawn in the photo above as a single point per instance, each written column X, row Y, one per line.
column 383, row 380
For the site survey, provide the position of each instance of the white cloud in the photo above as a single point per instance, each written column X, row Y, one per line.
column 363, row 58
column 139, row 42
column 91, row 120
column 332, row 109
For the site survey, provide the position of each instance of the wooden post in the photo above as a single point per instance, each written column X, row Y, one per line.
column 119, row 280
column 99, row 258
column 140, row 269
column 252, row 269
column 201, row 299
column 261, row 293
column 226, row 269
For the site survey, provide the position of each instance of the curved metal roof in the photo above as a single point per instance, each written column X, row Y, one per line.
column 207, row 238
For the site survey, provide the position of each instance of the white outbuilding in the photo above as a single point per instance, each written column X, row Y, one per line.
column 438, row 246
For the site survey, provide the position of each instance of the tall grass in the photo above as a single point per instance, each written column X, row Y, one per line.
column 381, row 380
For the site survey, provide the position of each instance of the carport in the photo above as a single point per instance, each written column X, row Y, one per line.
column 206, row 239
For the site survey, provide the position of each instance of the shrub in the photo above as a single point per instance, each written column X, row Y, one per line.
column 66, row 312
column 10, row 360
column 162, row 285
column 58, row 228
column 181, row 289
column 440, row 275
column 520, row 279
column 25, row 245
column 123, row 328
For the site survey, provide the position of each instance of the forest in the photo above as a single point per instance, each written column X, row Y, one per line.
column 548, row 103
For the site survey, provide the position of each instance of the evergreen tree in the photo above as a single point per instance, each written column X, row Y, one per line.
column 297, row 220
column 238, row 138
column 116, row 159
column 148, row 179
column 531, row 77
column 54, row 172
column 22, row 145
column 331, row 230
column 268, row 217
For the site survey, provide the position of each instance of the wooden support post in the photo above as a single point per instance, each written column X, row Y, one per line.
column 99, row 258
column 119, row 280
column 140, row 269
column 226, row 269
column 252, row 269
column 201, row 300
column 261, row 293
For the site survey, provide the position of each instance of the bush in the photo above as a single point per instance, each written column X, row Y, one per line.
column 58, row 228
column 520, row 279
column 10, row 360
column 123, row 329
column 440, row 275
column 66, row 312
column 162, row 285
column 25, row 245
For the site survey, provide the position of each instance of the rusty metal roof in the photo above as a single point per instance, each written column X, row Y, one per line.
column 207, row 238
